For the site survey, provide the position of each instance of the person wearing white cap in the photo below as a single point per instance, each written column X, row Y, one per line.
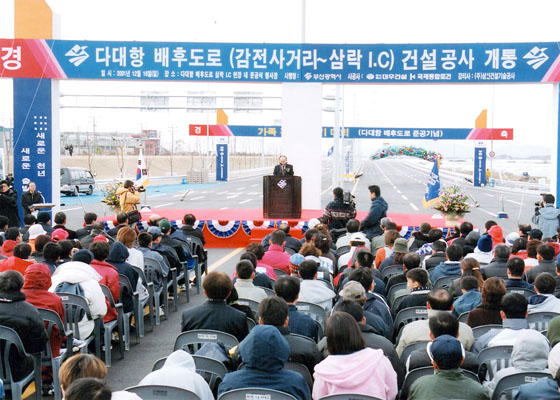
column 352, row 226
column 357, row 240
column 34, row 231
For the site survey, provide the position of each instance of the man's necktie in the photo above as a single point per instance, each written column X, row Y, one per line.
column 283, row 170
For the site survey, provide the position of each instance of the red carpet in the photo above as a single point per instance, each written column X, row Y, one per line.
column 236, row 227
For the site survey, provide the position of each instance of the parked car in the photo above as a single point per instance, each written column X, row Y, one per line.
column 74, row 180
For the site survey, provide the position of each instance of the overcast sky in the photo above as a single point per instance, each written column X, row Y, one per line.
column 526, row 108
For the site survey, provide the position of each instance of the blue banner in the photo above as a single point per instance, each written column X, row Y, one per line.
column 431, row 195
column 423, row 133
column 480, row 166
column 221, row 162
column 360, row 132
column 179, row 61
column 281, row 62
column 32, row 137
column 430, row 63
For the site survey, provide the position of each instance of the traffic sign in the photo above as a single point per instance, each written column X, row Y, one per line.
column 491, row 154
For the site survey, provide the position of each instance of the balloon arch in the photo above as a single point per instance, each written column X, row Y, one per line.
column 411, row 151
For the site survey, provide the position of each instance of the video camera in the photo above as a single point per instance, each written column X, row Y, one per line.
column 348, row 198
column 539, row 204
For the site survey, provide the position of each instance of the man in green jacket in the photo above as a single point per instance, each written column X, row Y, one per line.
column 448, row 382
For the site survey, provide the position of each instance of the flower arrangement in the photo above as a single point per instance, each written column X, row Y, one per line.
column 411, row 151
column 452, row 200
column 110, row 194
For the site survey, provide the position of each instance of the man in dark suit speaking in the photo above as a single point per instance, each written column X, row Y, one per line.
column 283, row 168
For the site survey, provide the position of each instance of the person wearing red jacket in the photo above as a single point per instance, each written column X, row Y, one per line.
column 19, row 261
column 12, row 238
column 36, row 289
column 276, row 257
column 109, row 275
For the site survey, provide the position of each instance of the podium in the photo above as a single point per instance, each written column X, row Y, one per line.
column 282, row 196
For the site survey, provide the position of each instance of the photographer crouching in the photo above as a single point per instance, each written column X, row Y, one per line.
column 129, row 197
column 339, row 211
column 547, row 216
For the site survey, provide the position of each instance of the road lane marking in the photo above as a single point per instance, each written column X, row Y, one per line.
column 223, row 208
column 487, row 212
column 489, row 195
column 413, row 206
column 197, row 198
column 224, row 192
column 404, row 197
column 162, row 205
column 225, row 258
column 514, row 202
column 255, row 185
column 326, row 190
column 72, row 209
column 157, row 195
column 245, row 201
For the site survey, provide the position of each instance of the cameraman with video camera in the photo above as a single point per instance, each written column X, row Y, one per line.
column 129, row 197
column 547, row 216
column 340, row 210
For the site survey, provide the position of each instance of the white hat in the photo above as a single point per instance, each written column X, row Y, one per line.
column 35, row 230
column 313, row 222
column 512, row 237
column 358, row 237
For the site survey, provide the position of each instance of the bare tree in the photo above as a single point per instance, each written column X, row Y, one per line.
column 90, row 148
column 171, row 151
column 8, row 146
column 120, row 145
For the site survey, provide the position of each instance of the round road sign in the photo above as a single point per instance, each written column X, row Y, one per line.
column 491, row 154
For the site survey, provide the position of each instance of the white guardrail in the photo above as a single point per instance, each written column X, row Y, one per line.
column 233, row 175
column 467, row 179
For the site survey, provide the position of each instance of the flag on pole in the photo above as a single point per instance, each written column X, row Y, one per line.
column 329, row 153
column 431, row 195
column 141, row 171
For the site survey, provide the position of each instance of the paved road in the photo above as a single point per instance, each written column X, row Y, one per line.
column 403, row 183
column 402, row 186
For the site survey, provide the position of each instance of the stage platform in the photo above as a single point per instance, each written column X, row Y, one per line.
column 233, row 228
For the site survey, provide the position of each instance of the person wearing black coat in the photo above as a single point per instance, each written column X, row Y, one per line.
column 118, row 254
column 438, row 255
column 9, row 204
column 283, row 168
column 23, row 318
column 215, row 313
column 274, row 311
column 498, row 265
column 31, row 197
column 189, row 230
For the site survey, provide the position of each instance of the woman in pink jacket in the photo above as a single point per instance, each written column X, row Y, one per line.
column 351, row 368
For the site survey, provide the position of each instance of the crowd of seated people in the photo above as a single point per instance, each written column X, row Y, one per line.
column 40, row 262
column 379, row 319
column 361, row 316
